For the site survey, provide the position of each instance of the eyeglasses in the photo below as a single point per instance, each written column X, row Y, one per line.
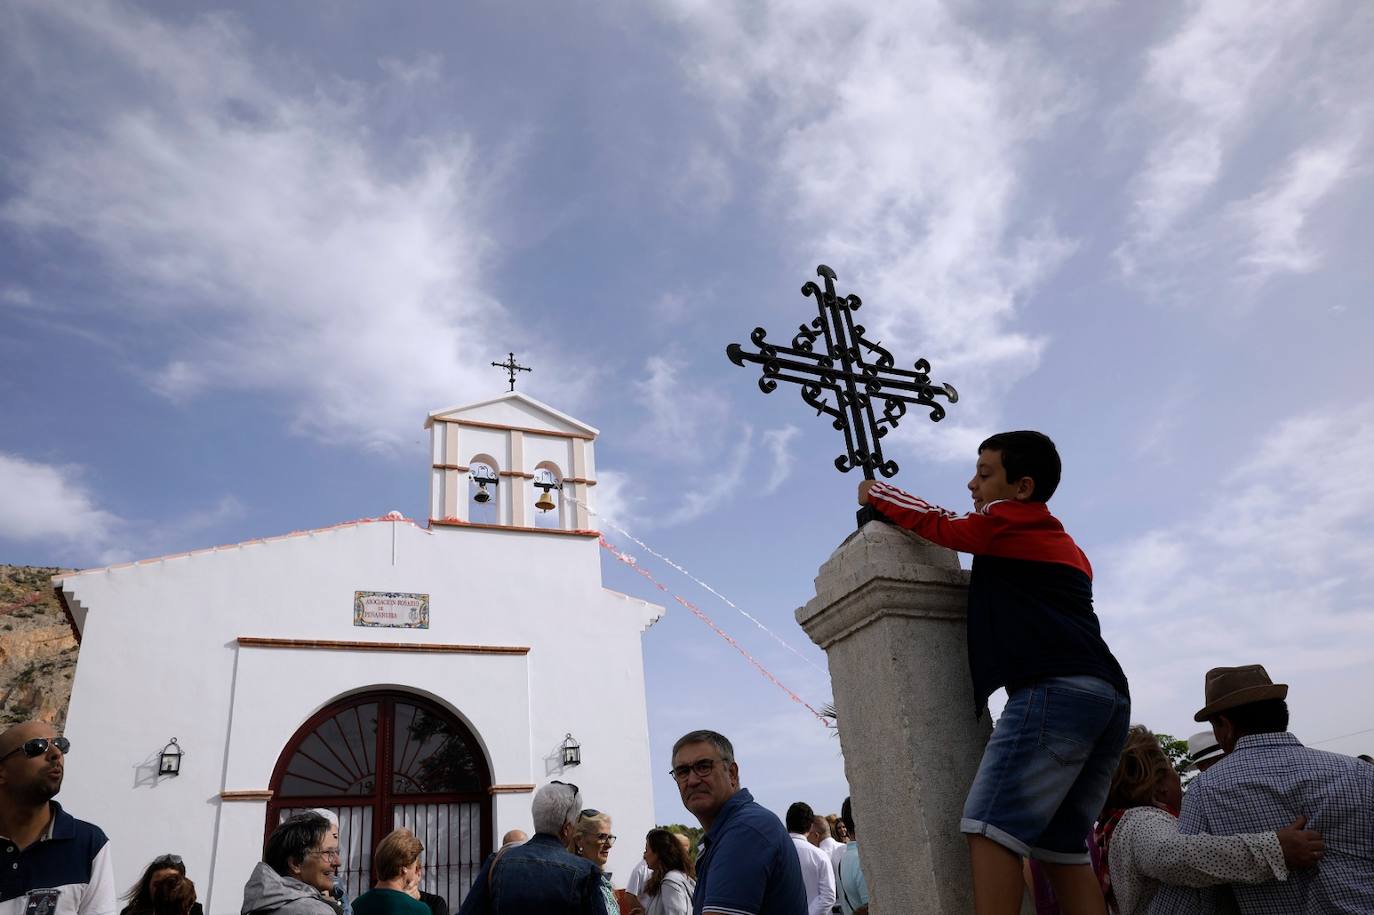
column 332, row 853
column 37, row 746
column 702, row 768
column 605, row 838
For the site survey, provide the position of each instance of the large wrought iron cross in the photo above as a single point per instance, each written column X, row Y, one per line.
column 858, row 372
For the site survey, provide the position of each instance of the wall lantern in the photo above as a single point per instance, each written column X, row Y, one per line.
column 170, row 763
column 482, row 475
column 572, row 752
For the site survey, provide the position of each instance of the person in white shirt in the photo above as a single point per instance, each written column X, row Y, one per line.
column 634, row 884
column 820, row 837
column 817, row 873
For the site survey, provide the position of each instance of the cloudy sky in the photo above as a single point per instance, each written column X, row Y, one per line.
column 243, row 251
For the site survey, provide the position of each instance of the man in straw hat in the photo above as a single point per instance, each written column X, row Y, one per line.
column 1203, row 752
column 1265, row 780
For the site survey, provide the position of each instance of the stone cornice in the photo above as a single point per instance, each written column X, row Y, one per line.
column 883, row 571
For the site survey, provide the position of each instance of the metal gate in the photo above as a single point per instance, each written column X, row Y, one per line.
column 386, row 760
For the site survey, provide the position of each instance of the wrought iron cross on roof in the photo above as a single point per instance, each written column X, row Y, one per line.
column 832, row 356
column 511, row 367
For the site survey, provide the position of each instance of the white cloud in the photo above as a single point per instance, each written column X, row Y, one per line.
column 1205, row 79
column 226, row 509
column 705, row 492
column 16, row 295
column 1275, row 217
column 685, row 421
column 700, row 453
column 1278, row 567
column 677, row 498
column 51, row 506
column 244, row 200
column 424, row 68
column 779, row 445
column 615, row 498
column 894, row 139
column 47, row 503
column 704, row 184
column 1215, row 165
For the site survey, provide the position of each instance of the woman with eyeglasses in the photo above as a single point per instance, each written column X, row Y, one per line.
column 672, row 876
column 591, row 838
column 139, row 899
column 296, row 871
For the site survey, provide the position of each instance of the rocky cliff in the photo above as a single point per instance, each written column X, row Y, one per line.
column 37, row 650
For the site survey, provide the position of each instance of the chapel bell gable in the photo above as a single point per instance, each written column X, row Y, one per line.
column 511, row 462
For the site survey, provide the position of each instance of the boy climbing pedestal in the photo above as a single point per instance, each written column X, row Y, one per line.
column 1031, row 629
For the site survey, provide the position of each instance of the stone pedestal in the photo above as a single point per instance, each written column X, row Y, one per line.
column 890, row 613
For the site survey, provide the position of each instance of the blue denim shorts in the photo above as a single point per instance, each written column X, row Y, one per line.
column 1046, row 770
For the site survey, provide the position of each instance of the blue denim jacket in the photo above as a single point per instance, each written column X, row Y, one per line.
column 539, row 877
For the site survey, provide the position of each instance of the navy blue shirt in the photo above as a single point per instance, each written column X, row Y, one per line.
column 66, row 872
column 748, row 864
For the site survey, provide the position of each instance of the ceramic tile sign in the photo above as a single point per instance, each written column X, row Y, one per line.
column 392, row 609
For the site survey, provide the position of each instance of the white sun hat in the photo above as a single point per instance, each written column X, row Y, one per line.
column 1202, row 746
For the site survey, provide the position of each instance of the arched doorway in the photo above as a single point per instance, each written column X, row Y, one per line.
column 386, row 759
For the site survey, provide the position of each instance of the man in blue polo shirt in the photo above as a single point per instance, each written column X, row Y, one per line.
column 747, row 864
column 50, row 862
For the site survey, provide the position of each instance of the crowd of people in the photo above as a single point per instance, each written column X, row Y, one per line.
column 746, row 860
column 1070, row 801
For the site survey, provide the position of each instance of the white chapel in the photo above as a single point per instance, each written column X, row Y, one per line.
column 400, row 674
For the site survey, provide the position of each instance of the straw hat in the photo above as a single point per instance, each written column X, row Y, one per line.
column 1228, row 687
column 1202, row 746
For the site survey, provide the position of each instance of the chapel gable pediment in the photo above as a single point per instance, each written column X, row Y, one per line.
column 515, row 410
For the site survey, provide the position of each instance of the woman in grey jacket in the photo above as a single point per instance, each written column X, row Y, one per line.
column 297, row 869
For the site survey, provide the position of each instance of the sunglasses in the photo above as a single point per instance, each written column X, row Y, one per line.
column 605, row 838
column 37, row 746
column 576, row 790
column 168, row 861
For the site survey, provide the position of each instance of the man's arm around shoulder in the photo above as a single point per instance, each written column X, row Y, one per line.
column 1183, row 900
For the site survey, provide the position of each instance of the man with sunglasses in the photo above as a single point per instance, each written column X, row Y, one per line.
column 747, row 863
column 50, row 862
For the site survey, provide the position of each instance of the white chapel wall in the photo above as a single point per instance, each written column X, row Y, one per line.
column 159, row 658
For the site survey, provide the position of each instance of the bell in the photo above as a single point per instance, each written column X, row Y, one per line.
column 545, row 502
column 481, row 497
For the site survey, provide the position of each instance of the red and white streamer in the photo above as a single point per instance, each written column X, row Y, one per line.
column 697, row 612
column 736, row 607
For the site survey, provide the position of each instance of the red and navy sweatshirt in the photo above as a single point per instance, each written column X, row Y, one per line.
column 1030, row 595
